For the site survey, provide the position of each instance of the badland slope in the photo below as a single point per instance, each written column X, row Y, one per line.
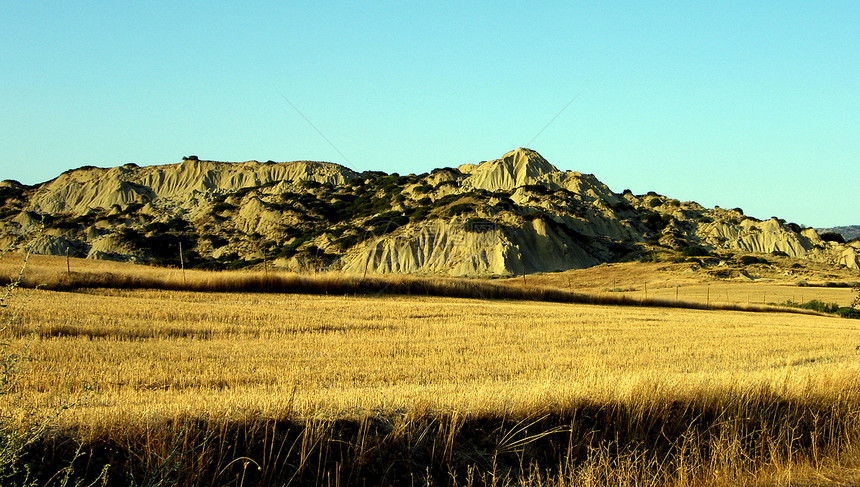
column 512, row 215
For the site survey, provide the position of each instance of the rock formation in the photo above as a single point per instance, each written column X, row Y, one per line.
column 515, row 214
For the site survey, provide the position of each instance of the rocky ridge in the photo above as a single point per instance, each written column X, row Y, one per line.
column 515, row 214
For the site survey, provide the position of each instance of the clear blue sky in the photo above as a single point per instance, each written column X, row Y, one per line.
column 749, row 104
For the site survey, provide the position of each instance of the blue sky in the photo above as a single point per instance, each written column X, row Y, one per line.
column 737, row 104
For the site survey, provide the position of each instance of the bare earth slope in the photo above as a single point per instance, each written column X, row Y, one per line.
column 513, row 215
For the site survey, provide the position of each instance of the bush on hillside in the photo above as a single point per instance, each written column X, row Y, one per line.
column 460, row 209
column 751, row 259
column 832, row 237
column 695, row 251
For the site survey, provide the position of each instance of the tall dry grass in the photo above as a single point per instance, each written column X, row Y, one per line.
column 739, row 437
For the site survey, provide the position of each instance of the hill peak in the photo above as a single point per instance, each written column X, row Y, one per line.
column 516, row 168
column 529, row 160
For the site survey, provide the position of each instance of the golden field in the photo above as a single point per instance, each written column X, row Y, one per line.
column 112, row 364
column 142, row 353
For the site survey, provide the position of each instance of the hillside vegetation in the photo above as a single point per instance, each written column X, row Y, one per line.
column 509, row 216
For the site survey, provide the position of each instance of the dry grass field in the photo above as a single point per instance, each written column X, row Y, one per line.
column 275, row 389
column 687, row 282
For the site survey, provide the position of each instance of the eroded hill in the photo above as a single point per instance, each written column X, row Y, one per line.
column 515, row 214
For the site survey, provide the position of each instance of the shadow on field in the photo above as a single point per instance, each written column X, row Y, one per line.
column 719, row 439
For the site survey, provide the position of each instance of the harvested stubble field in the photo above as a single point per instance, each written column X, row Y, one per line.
column 190, row 388
column 685, row 282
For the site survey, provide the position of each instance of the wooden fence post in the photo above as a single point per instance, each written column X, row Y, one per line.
column 181, row 262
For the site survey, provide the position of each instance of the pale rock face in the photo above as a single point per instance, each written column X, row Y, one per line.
column 254, row 217
column 811, row 235
column 52, row 245
column 760, row 237
column 111, row 247
column 516, row 168
column 850, row 258
column 26, row 220
column 431, row 248
column 78, row 191
column 523, row 167
column 447, row 248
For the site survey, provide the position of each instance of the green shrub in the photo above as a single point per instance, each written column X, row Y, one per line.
column 449, row 182
column 240, row 193
column 131, row 208
column 388, row 218
column 538, row 189
column 829, row 308
column 622, row 205
column 418, row 214
column 751, row 259
column 222, row 206
column 291, row 249
column 347, row 241
column 215, row 240
column 460, row 209
column 11, row 192
column 832, row 237
column 175, row 224
column 655, row 220
column 309, row 184
column 239, row 264
column 695, row 251
column 423, row 188
column 847, row 312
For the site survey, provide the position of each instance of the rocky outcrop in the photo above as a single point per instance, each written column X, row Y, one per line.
column 453, row 248
column 79, row 191
column 765, row 237
column 525, row 167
